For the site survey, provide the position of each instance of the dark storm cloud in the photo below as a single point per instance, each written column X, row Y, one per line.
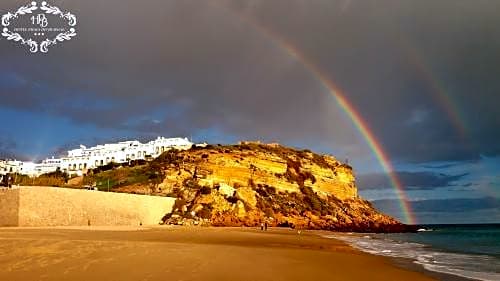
column 394, row 58
column 177, row 67
column 6, row 148
column 475, row 210
column 196, row 62
column 410, row 180
column 441, row 205
column 440, row 166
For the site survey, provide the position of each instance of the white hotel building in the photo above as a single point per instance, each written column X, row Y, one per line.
column 80, row 160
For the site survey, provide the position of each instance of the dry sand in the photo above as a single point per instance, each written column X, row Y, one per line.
column 175, row 253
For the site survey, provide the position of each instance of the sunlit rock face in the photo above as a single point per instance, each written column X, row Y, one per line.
column 252, row 183
column 282, row 168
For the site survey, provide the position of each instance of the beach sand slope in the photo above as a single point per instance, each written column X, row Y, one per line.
column 174, row 253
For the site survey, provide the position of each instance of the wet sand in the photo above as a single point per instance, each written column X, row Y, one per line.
column 176, row 253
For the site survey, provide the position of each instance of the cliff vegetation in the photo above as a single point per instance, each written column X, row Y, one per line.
column 251, row 183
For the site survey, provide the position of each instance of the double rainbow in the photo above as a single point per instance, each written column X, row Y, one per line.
column 351, row 112
column 439, row 91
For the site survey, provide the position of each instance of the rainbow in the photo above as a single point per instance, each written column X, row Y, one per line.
column 343, row 103
column 441, row 95
column 360, row 125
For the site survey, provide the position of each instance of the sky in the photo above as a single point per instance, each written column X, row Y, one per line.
column 421, row 75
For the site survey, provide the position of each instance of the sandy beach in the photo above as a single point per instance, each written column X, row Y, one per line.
column 185, row 254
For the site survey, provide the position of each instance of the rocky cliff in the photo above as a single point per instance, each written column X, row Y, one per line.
column 250, row 183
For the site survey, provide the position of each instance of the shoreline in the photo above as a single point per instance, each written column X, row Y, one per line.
column 194, row 253
column 408, row 264
column 403, row 262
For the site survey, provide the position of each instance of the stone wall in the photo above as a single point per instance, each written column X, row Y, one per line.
column 9, row 207
column 50, row 206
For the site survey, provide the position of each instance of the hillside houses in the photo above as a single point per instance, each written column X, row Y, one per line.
column 79, row 161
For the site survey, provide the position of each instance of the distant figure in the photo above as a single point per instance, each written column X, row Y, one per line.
column 265, row 225
column 261, row 226
column 88, row 222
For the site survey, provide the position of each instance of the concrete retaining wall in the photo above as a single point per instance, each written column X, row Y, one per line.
column 51, row 206
column 9, row 207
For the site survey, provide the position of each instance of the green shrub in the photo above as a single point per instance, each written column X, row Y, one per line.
column 271, row 189
column 205, row 190
column 206, row 212
column 311, row 198
column 262, row 192
column 268, row 212
column 191, row 183
column 320, row 161
column 179, row 203
column 55, row 179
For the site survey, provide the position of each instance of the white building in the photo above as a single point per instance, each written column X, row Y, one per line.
column 29, row 168
column 47, row 166
column 80, row 160
column 10, row 166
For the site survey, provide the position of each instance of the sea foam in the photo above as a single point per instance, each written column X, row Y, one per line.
column 478, row 267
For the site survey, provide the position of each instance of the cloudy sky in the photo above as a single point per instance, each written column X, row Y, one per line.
column 423, row 76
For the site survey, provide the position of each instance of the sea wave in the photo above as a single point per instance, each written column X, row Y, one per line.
column 478, row 267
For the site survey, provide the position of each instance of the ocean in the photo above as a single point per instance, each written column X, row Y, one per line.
column 470, row 251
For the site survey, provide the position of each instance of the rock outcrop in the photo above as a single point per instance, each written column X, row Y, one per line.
column 249, row 183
